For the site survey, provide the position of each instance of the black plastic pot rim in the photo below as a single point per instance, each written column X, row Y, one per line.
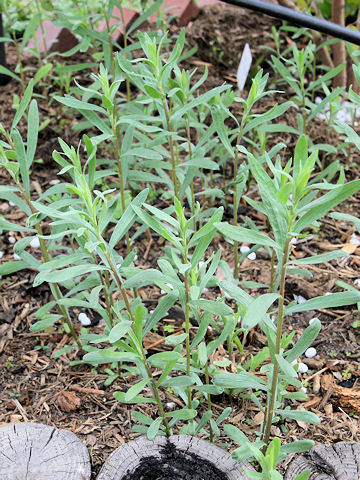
column 299, row 18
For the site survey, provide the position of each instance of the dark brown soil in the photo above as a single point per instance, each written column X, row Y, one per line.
column 36, row 387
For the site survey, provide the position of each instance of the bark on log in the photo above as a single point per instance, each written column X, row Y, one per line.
column 125, row 459
column 340, row 461
column 31, row 451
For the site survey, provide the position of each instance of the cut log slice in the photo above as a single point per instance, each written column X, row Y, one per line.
column 32, row 451
column 340, row 461
column 179, row 457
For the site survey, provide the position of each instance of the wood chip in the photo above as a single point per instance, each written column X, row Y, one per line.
column 68, row 401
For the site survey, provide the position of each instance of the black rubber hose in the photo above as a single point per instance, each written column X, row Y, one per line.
column 4, row 79
column 299, row 18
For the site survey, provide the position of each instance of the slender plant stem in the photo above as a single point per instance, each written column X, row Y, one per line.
column 118, row 145
column 187, row 330
column 112, row 62
column 276, row 368
column 157, row 395
column 235, row 204
column 172, row 149
column 208, row 398
column 187, row 126
column 46, row 257
column 121, row 286
column 125, row 37
column 42, row 29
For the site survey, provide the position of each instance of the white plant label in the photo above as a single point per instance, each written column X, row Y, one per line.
column 244, row 67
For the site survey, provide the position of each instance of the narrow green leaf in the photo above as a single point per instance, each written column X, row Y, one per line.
column 242, row 234
column 326, row 301
column 257, row 310
column 23, row 104
column 135, row 389
column 154, row 428
column 300, row 415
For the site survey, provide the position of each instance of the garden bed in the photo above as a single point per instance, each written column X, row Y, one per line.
column 39, row 388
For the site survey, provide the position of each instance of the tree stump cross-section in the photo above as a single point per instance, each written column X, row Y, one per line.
column 123, row 462
column 31, row 451
column 340, row 461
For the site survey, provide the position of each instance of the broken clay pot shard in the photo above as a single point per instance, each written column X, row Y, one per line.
column 54, row 39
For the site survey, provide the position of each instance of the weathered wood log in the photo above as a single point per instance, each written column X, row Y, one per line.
column 31, row 451
column 340, row 461
column 167, row 457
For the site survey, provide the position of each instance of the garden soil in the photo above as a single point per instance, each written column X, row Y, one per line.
column 38, row 388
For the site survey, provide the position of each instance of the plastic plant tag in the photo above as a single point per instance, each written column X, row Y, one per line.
column 244, row 67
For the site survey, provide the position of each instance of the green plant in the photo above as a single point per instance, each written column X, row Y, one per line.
column 162, row 143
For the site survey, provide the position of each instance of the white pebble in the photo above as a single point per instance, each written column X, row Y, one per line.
column 84, row 319
column 313, row 320
column 354, row 239
column 171, row 405
column 310, row 352
column 54, row 182
column 303, row 368
column 1, row 254
column 12, row 204
column 357, row 282
column 16, row 257
column 304, row 389
column 293, row 363
column 12, row 239
column 169, row 285
column 328, row 293
column 35, row 243
column 293, row 241
column 299, row 298
column 135, row 258
column 244, row 249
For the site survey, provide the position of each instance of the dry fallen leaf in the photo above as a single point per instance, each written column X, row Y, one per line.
column 68, row 401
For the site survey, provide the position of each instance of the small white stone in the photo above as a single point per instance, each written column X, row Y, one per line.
column 303, row 368
column 299, row 299
column 304, row 389
column 35, row 243
column 84, row 319
column 12, row 204
column 170, row 405
column 328, row 293
column 244, row 248
column 135, row 258
column 313, row 320
column 310, row 352
column 169, row 285
column 252, row 256
column 12, row 240
column 1, row 254
column 16, row 257
column 54, row 182
column 354, row 239
column 293, row 363
column 293, row 241
column 357, row 282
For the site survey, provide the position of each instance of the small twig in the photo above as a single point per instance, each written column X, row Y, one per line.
column 76, row 388
column 147, row 251
column 20, row 408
